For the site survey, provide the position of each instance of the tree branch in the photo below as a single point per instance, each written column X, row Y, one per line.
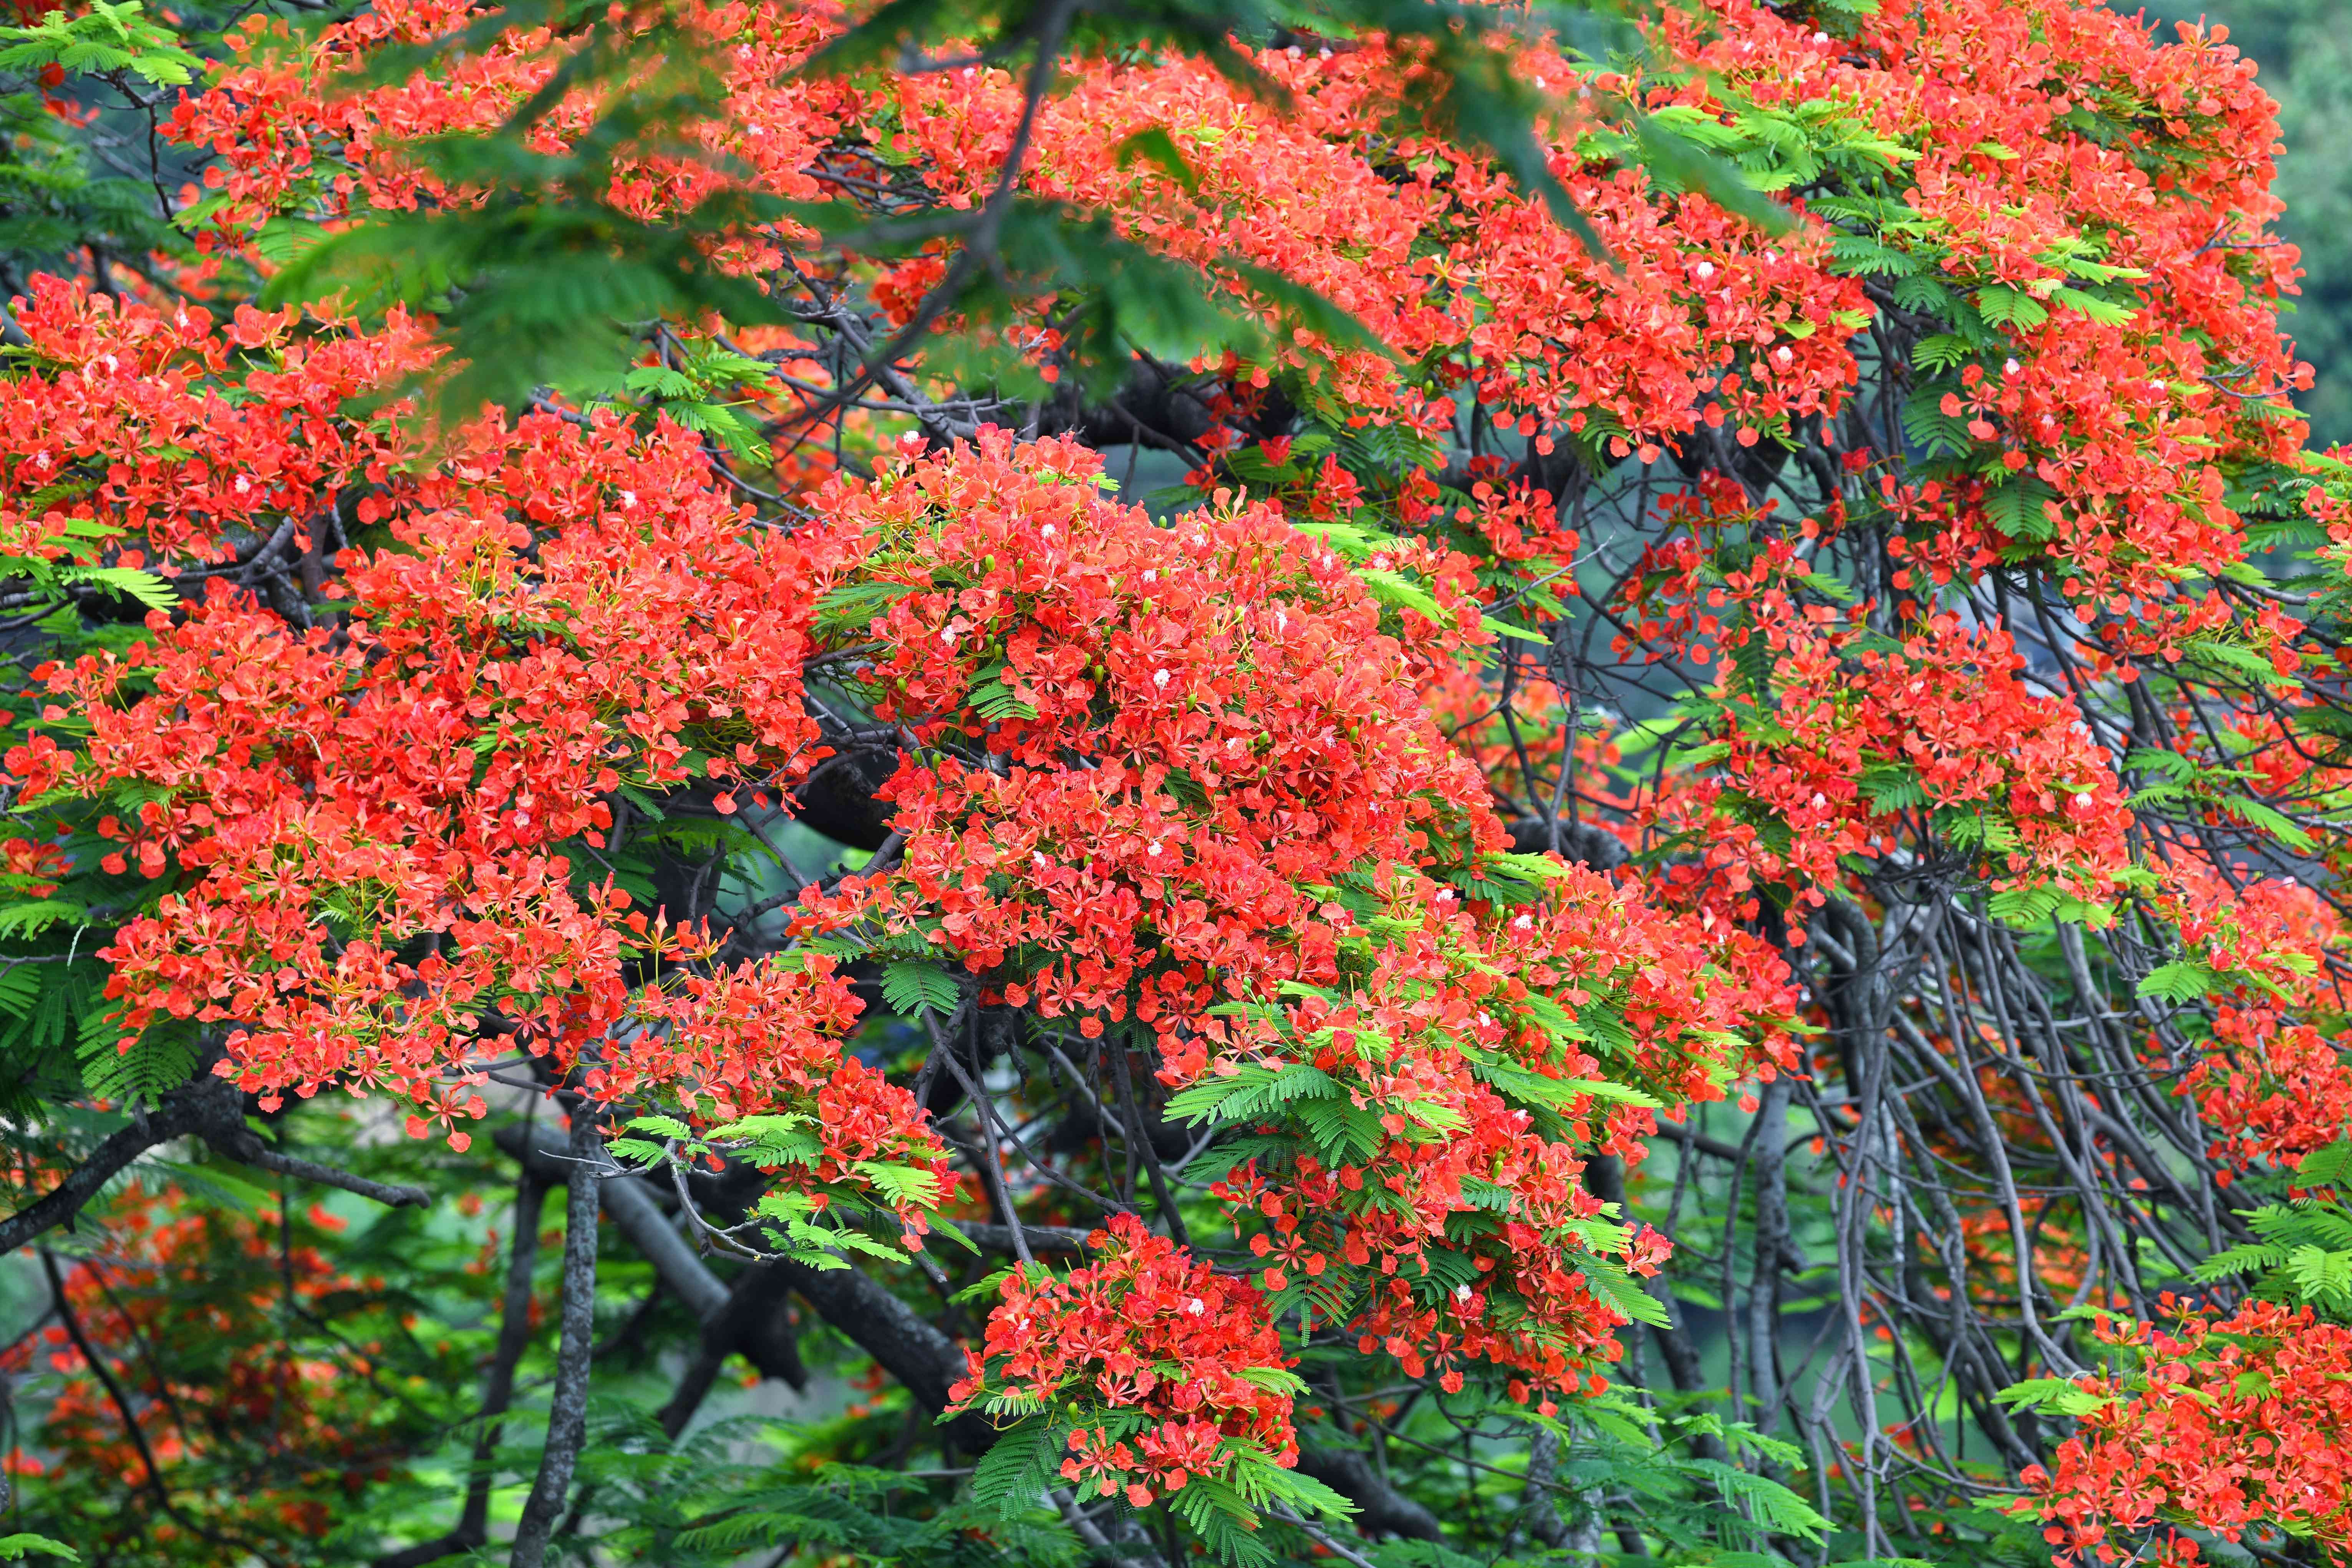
column 909, row 1348
column 121, row 1403
column 1041, row 1237
column 634, row 1214
column 195, row 1108
column 242, row 1145
column 211, row 1109
column 567, row 1416
column 1385, row 1509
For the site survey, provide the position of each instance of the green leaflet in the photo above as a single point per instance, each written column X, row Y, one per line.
column 1616, row 1288
column 2056, row 1394
column 2183, row 980
column 1252, row 1093
column 912, row 988
column 157, row 1061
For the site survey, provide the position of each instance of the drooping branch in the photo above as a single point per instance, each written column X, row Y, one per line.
column 183, row 1112
column 241, row 1143
column 912, row 1351
column 121, row 1400
column 209, row 1108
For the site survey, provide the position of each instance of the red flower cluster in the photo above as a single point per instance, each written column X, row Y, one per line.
column 2275, row 1085
column 1855, row 743
column 1848, row 739
column 1249, row 728
column 289, row 134
column 1450, row 263
column 135, row 395
column 1185, row 782
column 1472, row 1044
column 2274, row 1090
column 1178, row 1364
column 1271, row 858
column 366, row 825
column 2125, row 410
column 2226, row 1424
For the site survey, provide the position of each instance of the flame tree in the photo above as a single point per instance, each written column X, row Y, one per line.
column 1381, row 782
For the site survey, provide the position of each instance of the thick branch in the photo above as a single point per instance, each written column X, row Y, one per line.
column 1383, row 1509
column 742, row 1319
column 922, row 1358
column 909, row 1348
column 209, row 1104
column 635, row 1215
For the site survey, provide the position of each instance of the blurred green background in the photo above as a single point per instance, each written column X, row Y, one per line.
column 2305, row 48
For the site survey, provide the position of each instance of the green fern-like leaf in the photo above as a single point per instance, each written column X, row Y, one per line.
column 1013, row 1475
column 142, row 1071
column 1251, row 1093
column 1771, row 1505
column 1617, row 1289
column 2328, row 1164
column 2302, row 1255
column 910, row 988
column 26, row 917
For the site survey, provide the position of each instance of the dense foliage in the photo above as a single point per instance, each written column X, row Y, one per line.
column 1413, row 785
column 2307, row 65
